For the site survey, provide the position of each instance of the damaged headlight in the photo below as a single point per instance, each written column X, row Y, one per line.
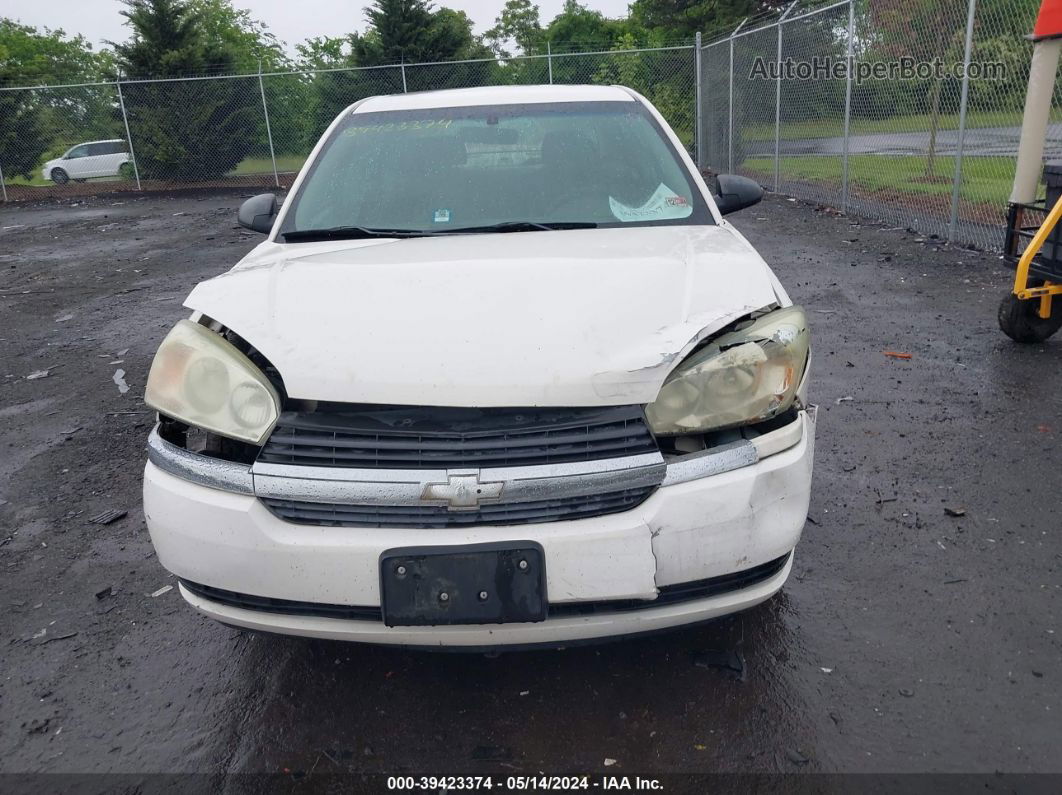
column 200, row 378
column 744, row 376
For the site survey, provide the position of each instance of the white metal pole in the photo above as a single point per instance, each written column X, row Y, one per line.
column 3, row 187
column 778, row 98
column 957, row 180
column 269, row 131
column 128, row 135
column 405, row 90
column 849, row 62
column 1043, row 70
column 699, row 99
column 549, row 62
column 730, row 136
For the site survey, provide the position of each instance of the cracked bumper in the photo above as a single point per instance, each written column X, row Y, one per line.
column 701, row 528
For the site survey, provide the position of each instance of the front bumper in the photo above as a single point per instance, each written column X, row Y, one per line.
column 702, row 523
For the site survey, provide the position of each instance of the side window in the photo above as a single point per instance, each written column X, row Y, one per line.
column 78, row 151
column 115, row 148
column 98, row 149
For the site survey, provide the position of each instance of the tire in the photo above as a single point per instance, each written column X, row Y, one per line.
column 1020, row 320
column 125, row 171
column 59, row 177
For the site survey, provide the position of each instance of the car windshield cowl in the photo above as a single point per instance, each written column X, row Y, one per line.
column 356, row 232
column 347, row 233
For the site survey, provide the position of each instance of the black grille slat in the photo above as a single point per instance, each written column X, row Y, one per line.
column 414, row 516
column 456, row 444
column 445, row 438
column 434, row 460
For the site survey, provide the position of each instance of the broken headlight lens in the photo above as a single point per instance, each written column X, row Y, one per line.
column 201, row 379
column 744, row 376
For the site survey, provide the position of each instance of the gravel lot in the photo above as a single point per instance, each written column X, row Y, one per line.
column 906, row 640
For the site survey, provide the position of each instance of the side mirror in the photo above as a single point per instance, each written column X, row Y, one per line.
column 258, row 213
column 736, row 193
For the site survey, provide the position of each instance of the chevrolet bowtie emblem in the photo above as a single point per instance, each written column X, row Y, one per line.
column 462, row 492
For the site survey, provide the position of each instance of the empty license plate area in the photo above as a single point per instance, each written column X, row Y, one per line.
column 476, row 584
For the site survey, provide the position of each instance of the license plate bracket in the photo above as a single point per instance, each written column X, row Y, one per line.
column 493, row 583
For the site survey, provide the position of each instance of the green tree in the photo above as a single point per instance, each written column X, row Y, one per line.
column 323, row 52
column 253, row 46
column 517, row 24
column 183, row 130
column 400, row 31
column 681, row 19
column 246, row 39
column 580, row 28
column 34, row 124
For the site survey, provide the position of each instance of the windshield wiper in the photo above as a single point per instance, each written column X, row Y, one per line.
column 357, row 232
column 348, row 233
column 518, row 226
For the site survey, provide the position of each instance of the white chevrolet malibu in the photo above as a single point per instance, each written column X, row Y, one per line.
column 500, row 375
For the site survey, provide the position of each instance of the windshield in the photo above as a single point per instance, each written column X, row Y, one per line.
column 525, row 167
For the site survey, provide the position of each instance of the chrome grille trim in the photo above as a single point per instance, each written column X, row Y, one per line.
column 407, row 486
column 203, row 470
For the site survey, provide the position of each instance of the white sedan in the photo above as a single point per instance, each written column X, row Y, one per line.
column 501, row 374
column 90, row 160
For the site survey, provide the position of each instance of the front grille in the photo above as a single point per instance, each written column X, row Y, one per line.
column 333, row 515
column 405, row 437
column 669, row 595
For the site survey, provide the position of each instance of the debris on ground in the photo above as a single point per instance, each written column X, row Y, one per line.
column 163, row 590
column 726, row 659
column 103, row 593
column 64, row 636
column 896, row 355
column 38, row 374
column 609, row 762
column 955, row 511
column 844, row 399
column 119, row 379
column 796, row 757
column 110, row 516
column 906, row 692
column 491, row 753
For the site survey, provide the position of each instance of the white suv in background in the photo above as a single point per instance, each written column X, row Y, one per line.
column 90, row 159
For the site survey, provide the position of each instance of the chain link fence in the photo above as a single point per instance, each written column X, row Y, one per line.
column 859, row 105
column 257, row 130
column 792, row 101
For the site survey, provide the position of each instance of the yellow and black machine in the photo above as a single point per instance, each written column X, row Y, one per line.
column 1033, row 310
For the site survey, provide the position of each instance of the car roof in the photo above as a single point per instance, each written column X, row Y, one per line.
column 104, row 141
column 494, row 95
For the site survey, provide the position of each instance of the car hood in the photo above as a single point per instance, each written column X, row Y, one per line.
column 562, row 318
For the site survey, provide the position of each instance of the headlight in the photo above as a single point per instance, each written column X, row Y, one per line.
column 198, row 377
column 744, row 376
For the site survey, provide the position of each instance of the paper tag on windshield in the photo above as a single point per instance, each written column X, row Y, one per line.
column 663, row 204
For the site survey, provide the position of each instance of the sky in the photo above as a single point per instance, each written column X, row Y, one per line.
column 291, row 21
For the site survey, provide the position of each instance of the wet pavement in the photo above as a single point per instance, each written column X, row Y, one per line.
column 907, row 639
